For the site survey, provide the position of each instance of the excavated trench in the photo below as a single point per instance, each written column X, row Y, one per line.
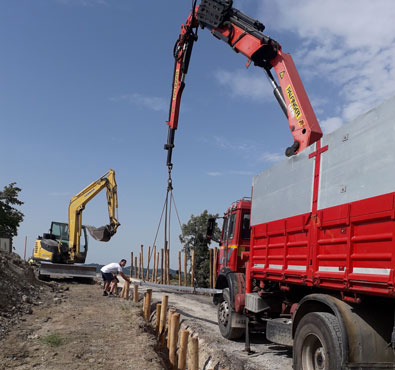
column 198, row 316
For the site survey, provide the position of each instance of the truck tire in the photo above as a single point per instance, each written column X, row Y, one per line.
column 225, row 315
column 318, row 343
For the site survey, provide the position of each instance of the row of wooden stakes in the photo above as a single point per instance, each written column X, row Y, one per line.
column 171, row 327
column 168, row 322
column 182, row 347
column 163, row 276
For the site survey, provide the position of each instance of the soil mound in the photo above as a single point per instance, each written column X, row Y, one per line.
column 20, row 290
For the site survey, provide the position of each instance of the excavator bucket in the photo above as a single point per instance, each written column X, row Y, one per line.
column 102, row 234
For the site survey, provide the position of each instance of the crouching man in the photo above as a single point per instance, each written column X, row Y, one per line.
column 109, row 274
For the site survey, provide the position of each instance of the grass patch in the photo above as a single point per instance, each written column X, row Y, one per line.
column 53, row 340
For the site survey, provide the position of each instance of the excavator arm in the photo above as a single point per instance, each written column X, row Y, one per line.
column 244, row 35
column 77, row 205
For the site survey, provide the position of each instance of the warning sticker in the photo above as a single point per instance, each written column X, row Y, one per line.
column 175, row 83
column 294, row 103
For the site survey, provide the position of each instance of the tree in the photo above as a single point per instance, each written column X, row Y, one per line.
column 194, row 237
column 10, row 217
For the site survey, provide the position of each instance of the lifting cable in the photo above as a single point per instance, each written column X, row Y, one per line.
column 167, row 208
column 169, row 200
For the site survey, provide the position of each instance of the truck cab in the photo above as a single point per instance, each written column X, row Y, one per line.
column 235, row 236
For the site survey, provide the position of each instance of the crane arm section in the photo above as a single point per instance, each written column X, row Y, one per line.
column 244, row 35
column 78, row 203
column 182, row 54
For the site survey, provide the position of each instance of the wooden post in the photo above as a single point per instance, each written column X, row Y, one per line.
column 153, row 263
column 193, row 269
column 138, row 268
column 24, row 254
column 163, row 312
column 142, row 267
column 161, row 266
column 144, row 303
column 167, row 267
column 131, row 264
column 179, row 268
column 139, row 272
column 121, row 295
column 185, row 269
column 157, row 265
column 172, row 311
column 211, row 268
column 215, row 257
column 135, row 267
column 142, row 261
column 193, row 354
column 173, row 338
column 148, row 261
column 165, row 256
column 158, row 308
column 182, row 352
column 136, row 293
column 147, row 304
column 127, row 289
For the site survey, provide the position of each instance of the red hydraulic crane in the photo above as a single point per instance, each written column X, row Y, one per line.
column 244, row 35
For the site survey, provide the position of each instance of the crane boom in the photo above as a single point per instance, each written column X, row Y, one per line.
column 244, row 35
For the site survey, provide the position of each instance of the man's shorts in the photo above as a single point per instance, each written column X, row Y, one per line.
column 107, row 276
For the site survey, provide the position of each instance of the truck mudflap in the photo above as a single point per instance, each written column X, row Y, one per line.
column 238, row 321
column 280, row 331
column 63, row 270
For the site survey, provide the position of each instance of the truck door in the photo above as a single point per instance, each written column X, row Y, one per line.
column 227, row 246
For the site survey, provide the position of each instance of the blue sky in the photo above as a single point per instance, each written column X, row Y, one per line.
column 85, row 86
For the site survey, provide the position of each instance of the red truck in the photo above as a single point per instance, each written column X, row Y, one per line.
column 316, row 270
column 310, row 258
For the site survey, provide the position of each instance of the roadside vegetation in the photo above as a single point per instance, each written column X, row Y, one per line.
column 194, row 238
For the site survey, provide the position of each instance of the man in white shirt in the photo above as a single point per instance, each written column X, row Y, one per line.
column 109, row 273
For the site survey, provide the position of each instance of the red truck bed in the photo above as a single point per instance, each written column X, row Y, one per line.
column 326, row 218
column 348, row 247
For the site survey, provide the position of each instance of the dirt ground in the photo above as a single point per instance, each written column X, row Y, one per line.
column 78, row 328
column 64, row 324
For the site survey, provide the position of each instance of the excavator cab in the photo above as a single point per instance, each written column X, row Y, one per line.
column 60, row 231
column 54, row 245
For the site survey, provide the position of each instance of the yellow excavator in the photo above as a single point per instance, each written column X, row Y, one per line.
column 63, row 250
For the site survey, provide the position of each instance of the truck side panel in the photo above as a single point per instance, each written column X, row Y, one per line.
column 360, row 161
column 288, row 183
column 346, row 240
column 355, row 246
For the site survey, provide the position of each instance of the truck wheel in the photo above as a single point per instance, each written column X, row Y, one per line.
column 225, row 315
column 318, row 343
